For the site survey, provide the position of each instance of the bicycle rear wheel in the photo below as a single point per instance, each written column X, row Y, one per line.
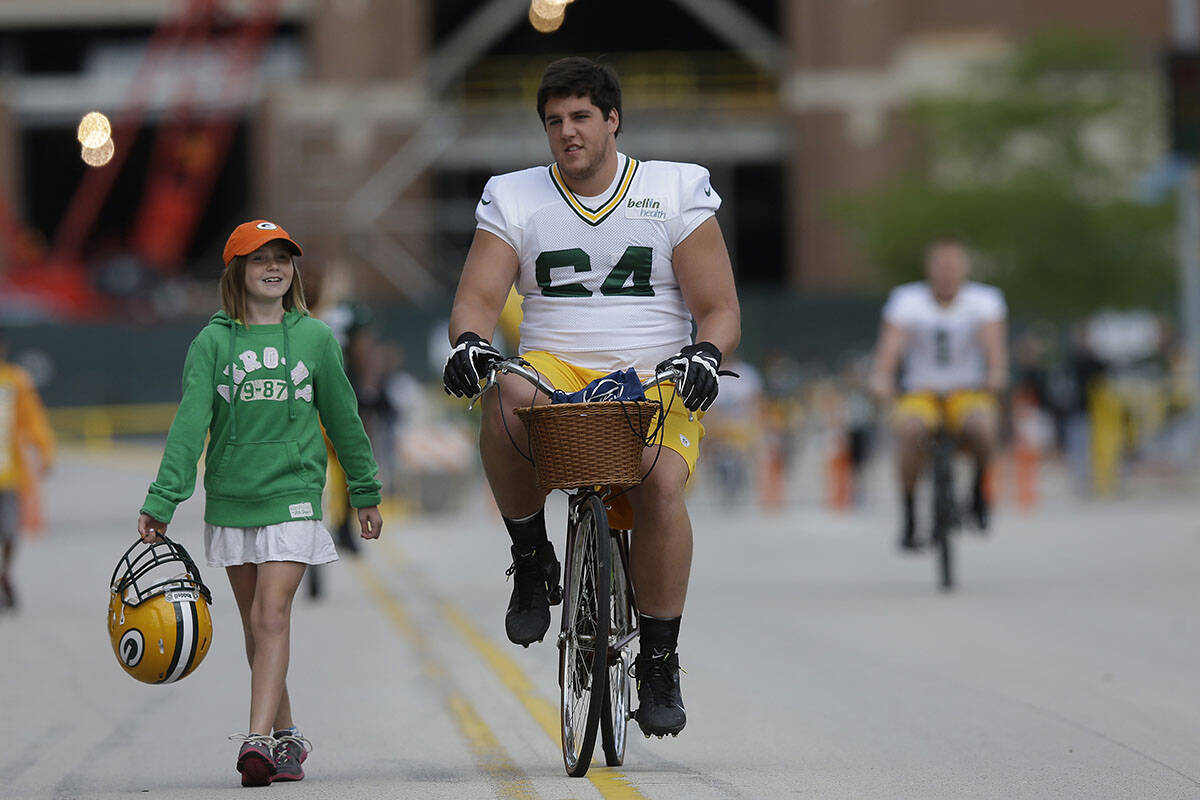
column 583, row 654
column 944, row 512
column 623, row 626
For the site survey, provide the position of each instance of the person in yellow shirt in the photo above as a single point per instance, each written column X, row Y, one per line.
column 23, row 428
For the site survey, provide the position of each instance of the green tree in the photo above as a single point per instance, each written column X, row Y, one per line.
column 1035, row 161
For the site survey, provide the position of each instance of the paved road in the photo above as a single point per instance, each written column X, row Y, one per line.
column 821, row 664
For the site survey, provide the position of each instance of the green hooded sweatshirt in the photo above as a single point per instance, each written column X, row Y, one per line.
column 261, row 393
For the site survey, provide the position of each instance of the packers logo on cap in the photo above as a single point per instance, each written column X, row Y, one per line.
column 249, row 236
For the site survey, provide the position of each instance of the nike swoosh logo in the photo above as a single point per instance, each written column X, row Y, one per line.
column 487, row 202
column 707, row 191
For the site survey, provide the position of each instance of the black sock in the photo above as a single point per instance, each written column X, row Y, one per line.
column 908, row 506
column 978, row 488
column 658, row 634
column 527, row 532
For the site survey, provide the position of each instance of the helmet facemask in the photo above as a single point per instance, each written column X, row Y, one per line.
column 154, row 571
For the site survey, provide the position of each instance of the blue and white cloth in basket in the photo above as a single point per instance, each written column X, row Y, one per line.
column 620, row 385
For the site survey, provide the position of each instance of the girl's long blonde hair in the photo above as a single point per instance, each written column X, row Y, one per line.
column 233, row 290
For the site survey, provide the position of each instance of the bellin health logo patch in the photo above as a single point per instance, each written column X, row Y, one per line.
column 646, row 208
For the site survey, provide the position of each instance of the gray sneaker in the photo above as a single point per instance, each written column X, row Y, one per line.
column 256, row 759
column 290, row 751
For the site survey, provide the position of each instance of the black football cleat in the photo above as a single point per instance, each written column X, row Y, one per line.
column 535, row 589
column 660, row 702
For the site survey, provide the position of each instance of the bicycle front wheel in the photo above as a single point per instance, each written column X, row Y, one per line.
column 623, row 626
column 945, row 560
column 583, row 658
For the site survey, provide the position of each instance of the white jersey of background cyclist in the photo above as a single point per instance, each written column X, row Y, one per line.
column 596, row 276
column 943, row 352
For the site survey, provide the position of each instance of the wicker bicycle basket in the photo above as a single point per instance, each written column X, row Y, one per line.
column 588, row 444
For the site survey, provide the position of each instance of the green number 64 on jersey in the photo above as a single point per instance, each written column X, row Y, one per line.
column 634, row 263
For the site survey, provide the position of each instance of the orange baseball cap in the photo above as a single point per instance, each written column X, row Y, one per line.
column 249, row 236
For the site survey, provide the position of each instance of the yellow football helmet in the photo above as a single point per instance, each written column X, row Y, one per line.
column 158, row 618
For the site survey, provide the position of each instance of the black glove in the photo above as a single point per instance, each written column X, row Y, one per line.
column 468, row 365
column 698, row 363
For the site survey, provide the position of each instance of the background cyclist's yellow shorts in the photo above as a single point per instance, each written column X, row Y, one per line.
column 959, row 405
column 679, row 434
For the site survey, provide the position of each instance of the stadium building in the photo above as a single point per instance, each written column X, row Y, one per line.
column 371, row 125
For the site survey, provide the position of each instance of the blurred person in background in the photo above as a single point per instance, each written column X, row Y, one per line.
column 326, row 291
column 369, row 365
column 784, row 420
column 614, row 258
column 949, row 334
column 23, row 430
column 735, row 430
column 859, row 414
column 1085, row 369
column 362, row 354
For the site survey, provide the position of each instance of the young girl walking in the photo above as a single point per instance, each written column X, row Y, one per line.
column 260, row 380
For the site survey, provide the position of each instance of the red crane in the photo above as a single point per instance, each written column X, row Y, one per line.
column 189, row 151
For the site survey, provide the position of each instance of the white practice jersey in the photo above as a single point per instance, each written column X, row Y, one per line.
column 944, row 351
column 596, row 277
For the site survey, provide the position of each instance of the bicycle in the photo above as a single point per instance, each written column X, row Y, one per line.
column 594, row 672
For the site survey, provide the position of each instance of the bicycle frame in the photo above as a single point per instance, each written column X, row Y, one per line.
column 945, row 513
column 619, row 536
column 620, row 539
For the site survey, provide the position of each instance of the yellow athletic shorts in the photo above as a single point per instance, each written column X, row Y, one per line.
column 959, row 405
column 678, row 432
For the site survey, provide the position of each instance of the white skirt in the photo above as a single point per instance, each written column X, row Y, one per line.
column 305, row 541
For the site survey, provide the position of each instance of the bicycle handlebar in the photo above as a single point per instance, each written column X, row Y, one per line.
column 517, row 366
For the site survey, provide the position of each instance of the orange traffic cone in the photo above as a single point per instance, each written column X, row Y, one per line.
column 838, row 480
column 1025, row 449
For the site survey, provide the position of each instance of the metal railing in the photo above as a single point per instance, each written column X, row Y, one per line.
column 668, row 80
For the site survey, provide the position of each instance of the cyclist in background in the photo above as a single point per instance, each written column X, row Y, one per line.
column 614, row 258
column 949, row 334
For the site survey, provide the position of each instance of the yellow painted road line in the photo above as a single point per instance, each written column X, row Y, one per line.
column 611, row 783
column 510, row 782
column 510, row 673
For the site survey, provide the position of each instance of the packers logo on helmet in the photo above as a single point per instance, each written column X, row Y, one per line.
column 158, row 617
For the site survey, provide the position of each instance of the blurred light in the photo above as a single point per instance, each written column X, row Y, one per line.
column 549, row 9
column 94, row 130
column 549, row 23
column 98, row 156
